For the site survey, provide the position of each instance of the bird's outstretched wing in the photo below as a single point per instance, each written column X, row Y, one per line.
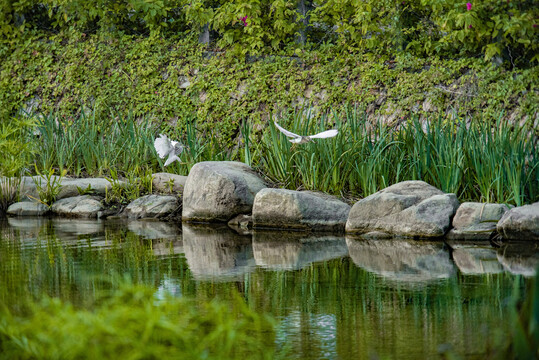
column 171, row 159
column 286, row 132
column 325, row 134
column 178, row 147
column 162, row 145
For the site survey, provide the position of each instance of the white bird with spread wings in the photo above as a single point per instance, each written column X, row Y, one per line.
column 164, row 146
column 299, row 139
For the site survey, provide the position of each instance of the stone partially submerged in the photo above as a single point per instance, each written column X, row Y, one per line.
column 300, row 210
column 84, row 206
column 152, row 206
column 409, row 208
column 216, row 191
column 520, row 223
column 476, row 221
column 27, row 208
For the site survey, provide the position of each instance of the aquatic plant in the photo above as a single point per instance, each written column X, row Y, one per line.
column 48, row 185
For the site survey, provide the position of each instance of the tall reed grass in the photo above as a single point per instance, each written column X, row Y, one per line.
column 480, row 161
column 477, row 162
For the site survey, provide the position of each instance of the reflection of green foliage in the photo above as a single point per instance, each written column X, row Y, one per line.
column 524, row 341
column 382, row 315
column 129, row 322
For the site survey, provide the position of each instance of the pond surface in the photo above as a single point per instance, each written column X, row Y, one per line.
column 334, row 297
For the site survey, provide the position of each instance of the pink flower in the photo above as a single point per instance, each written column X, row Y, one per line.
column 244, row 20
column 470, row 26
column 469, row 6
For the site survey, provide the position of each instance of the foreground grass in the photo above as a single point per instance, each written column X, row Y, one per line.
column 131, row 323
column 476, row 161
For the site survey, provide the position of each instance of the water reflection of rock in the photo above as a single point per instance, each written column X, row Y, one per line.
column 475, row 258
column 217, row 253
column 520, row 257
column 291, row 251
column 402, row 260
column 151, row 229
column 75, row 227
column 30, row 226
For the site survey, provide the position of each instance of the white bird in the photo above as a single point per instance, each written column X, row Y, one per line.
column 298, row 139
column 164, row 146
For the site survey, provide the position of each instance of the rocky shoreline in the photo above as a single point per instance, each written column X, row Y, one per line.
column 233, row 193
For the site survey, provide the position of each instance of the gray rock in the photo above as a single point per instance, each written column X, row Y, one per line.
column 475, row 258
column 301, row 210
column 476, row 221
column 168, row 183
column 27, row 208
column 216, row 191
column 217, row 253
column 520, row 223
column 241, row 221
column 151, row 206
column 295, row 250
column 69, row 187
column 400, row 260
column 85, row 206
column 409, row 208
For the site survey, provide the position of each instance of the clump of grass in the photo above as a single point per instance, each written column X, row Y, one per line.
column 48, row 186
column 129, row 322
column 92, row 145
column 480, row 162
column 9, row 192
column 130, row 188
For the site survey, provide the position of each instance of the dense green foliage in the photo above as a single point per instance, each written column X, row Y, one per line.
column 171, row 79
column 422, row 27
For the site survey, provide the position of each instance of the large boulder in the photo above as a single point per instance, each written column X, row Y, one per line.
column 409, row 208
column 216, row 191
column 151, row 206
column 520, row 223
column 84, row 206
column 301, row 210
column 169, row 183
column 476, row 221
column 27, row 208
column 67, row 187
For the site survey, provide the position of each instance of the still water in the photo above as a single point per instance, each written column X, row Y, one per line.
column 334, row 297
